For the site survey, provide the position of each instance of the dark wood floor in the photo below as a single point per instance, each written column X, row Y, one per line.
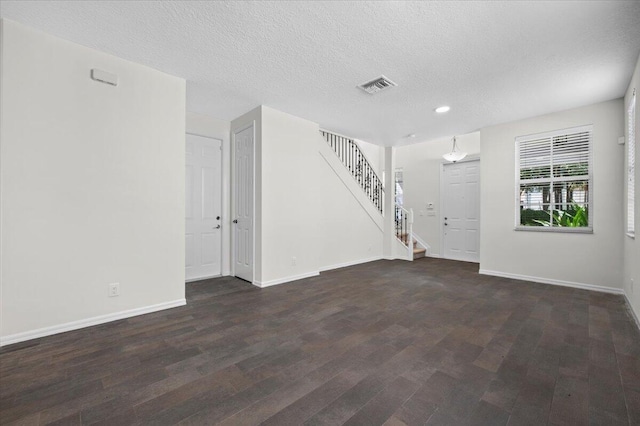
column 388, row 342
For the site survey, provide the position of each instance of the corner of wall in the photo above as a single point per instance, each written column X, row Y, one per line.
column 2, row 41
column 631, row 246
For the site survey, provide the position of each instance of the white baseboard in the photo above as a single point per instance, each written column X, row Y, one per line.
column 434, row 255
column 190, row 280
column 75, row 325
column 352, row 263
column 263, row 284
column 552, row 281
column 633, row 312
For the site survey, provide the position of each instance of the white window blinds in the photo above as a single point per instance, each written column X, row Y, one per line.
column 631, row 165
column 554, row 178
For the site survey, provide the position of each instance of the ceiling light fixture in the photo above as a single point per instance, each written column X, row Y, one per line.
column 454, row 155
column 442, row 109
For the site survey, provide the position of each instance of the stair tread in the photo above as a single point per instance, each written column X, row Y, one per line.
column 419, row 250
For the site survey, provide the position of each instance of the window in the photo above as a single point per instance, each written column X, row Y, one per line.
column 631, row 166
column 554, row 180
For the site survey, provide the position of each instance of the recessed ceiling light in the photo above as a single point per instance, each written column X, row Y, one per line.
column 411, row 135
column 442, row 109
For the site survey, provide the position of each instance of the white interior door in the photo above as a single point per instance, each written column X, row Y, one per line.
column 203, row 207
column 243, row 181
column 461, row 211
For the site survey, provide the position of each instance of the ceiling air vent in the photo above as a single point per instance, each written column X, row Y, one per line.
column 377, row 85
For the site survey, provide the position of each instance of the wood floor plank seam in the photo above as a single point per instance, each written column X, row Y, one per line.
column 401, row 343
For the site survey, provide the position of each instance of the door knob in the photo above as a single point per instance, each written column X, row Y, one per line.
column 235, row 220
column 217, row 227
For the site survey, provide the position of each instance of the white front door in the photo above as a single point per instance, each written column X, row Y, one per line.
column 243, row 181
column 203, row 207
column 461, row 211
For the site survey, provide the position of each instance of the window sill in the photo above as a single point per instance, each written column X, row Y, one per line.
column 563, row 230
column 630, row 235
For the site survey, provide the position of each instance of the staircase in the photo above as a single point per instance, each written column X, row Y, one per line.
column 354, row 161
column 404, row 233
column 418, row 252
column 357, row 164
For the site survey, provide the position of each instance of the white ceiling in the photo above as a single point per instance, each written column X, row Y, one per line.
column 492, row 62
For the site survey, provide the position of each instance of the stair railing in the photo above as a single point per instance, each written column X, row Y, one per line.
column 354, row 160
column 404, row 228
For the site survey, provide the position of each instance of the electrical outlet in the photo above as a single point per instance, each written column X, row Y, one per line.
column 114, row 289
column 294, row 261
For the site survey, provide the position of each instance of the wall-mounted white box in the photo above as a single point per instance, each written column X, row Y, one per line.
column 104, row 77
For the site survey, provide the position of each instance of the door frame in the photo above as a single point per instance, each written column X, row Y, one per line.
column 443, row 163
column 233, row 199
column 222, row 207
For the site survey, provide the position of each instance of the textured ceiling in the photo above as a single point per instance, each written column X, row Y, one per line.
column 492, row 62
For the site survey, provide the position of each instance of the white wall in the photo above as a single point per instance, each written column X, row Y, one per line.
column 307, row 212
column 421, row 164
column 92, row 186
column 581, row 259
column 389, row 238
column 374, row 155
column 349, row 227
column 289, row 202
column 204, row 125
column 632, row 246
column 303, row 210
